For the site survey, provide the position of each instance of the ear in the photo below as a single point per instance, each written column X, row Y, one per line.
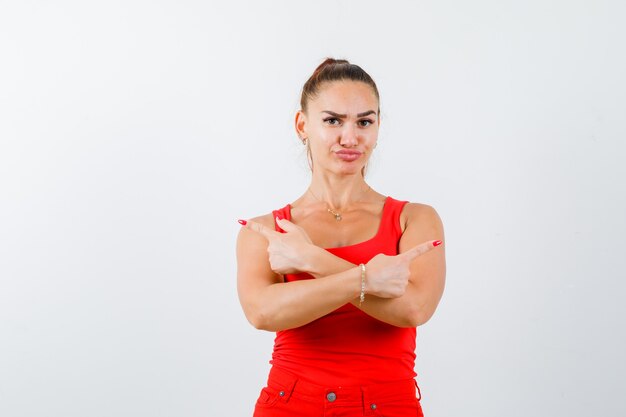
column 300, row 122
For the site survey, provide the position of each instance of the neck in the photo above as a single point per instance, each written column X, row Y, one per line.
column 338, row 192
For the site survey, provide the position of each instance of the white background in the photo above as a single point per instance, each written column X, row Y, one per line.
column 133, row 134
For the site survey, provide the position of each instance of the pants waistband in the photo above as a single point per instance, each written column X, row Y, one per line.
column 289, row 384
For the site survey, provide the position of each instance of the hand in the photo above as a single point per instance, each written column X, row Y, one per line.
column 287, row 251
column 388, row 276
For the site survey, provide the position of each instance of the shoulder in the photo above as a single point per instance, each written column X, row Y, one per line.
column 246, row 235
column 421, row 216
column 266, row 220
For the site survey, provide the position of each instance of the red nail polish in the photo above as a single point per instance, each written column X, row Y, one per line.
column 242, row 222
column 437, row 243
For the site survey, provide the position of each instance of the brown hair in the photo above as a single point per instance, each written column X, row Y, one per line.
column 334, row 70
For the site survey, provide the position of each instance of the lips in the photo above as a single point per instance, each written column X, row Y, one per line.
column 348, row 155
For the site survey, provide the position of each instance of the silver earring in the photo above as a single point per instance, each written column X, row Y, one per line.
column 304, row 140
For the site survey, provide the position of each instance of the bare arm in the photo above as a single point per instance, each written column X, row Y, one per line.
column 427, row 273
column 271, row 304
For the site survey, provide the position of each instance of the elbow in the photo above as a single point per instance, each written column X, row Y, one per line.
column 409, row 318
column 416, row 316
column 261, row 320
column 258, row 320
column 412, row 321
column 261, row 315
column 255, row 314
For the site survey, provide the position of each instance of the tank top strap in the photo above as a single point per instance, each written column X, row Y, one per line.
column 390, row 222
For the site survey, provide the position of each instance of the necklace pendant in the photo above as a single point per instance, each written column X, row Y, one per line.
column 334, row 213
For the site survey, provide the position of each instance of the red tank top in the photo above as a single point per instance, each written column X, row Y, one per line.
column 348, row 347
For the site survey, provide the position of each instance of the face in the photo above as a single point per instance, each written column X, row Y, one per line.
column 341, row 125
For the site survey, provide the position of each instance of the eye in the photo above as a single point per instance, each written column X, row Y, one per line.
column 365, row 122
column 331, row 121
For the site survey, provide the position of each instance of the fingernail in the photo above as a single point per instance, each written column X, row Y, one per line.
column 437, row 243
column 242, row 222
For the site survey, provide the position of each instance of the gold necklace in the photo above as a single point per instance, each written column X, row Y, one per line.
column 333, row 212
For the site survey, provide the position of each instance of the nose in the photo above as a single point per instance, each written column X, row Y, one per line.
column 349, row 137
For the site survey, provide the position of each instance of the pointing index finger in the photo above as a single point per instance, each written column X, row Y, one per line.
column 259, row 228
column 420, row 249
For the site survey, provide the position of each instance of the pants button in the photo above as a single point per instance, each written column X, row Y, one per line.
column 331, row 396
column 373, row 406
column 282, row 393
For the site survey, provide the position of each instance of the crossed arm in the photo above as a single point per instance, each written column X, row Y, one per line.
column 402, row 290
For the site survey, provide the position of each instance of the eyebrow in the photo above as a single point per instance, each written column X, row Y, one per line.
column 343, row 116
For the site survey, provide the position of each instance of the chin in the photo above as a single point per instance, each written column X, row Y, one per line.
column 343, row 167
column 350, row 169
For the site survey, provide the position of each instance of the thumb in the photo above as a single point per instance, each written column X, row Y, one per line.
column 286, row 225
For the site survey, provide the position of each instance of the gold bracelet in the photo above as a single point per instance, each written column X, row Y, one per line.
column 362, row 296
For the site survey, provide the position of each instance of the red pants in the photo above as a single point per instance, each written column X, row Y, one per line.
column 288, row 396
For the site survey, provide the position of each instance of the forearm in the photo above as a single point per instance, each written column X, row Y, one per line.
column 408, row 310
column 283, row 306
column 321, row 263
column 405, row 311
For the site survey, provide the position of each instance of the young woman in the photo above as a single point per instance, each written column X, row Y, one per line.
column 344, row 274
